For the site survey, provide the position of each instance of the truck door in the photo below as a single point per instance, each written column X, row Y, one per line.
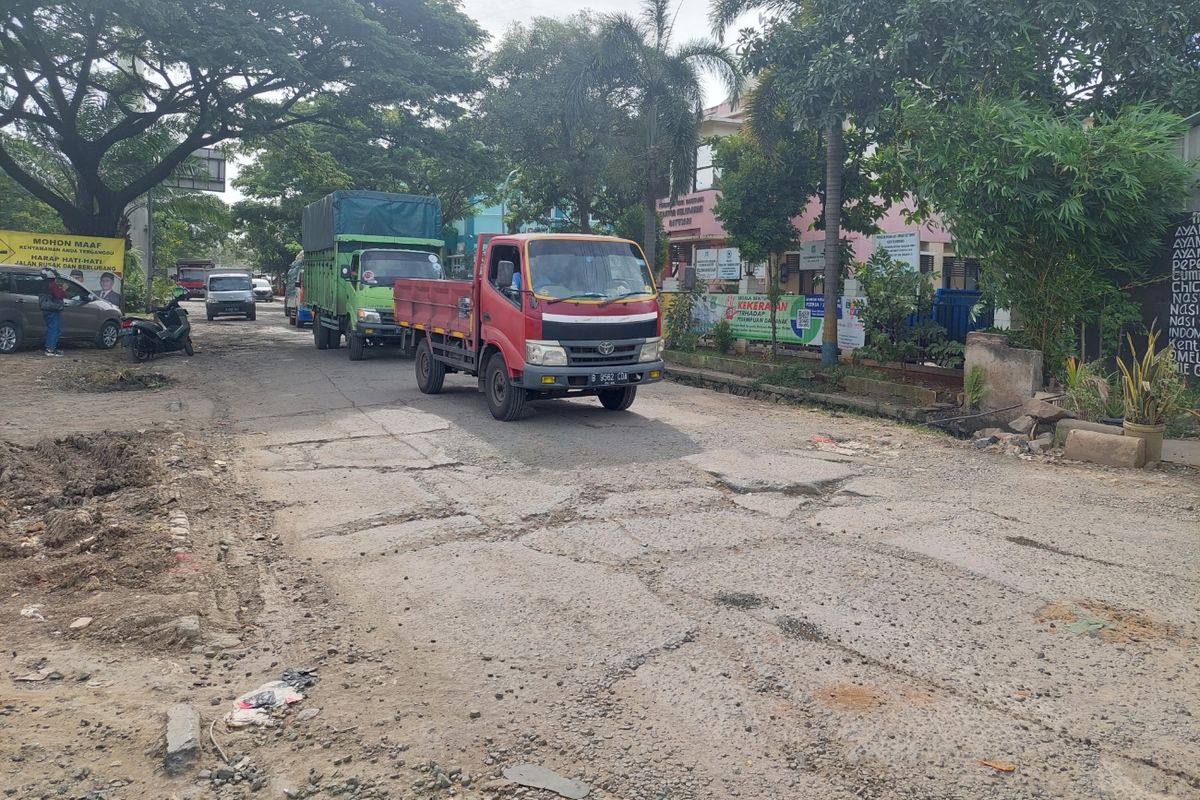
column 502, row 307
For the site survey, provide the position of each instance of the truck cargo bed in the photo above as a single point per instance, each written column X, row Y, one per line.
column 436, row 306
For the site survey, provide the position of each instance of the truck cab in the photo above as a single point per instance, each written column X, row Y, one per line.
column 544, row 316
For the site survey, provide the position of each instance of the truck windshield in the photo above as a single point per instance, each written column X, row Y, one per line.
column 383, row 267
column 191, row 274
column 228, row 283
column 581, row 269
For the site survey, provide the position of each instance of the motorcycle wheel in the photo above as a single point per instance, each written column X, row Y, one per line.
column 138, row 353
column 187, row 346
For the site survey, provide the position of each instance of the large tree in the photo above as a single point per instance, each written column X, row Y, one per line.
column 666, row 99
column 557, row 122
column 90, row 83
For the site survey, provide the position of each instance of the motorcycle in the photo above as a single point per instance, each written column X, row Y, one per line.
column 168, row 332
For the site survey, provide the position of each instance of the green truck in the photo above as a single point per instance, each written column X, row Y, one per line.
column 356, row 244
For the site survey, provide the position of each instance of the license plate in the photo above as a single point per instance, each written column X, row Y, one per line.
column 609, row 378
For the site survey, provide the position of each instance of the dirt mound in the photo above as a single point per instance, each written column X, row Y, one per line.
column 81, row 510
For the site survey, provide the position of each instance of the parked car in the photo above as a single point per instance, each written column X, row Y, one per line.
column 229, row 293
column 86, row 318
column 293, row 295
column 263, row 291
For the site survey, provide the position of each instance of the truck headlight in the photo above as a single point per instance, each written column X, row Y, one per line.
column 368, row 315
column 651, row 350
column 545, row 354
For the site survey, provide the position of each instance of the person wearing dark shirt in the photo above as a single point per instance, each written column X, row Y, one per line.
column 51, row 302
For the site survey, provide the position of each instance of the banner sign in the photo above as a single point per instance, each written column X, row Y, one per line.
column 799, row 318
column 904, row 247
column 96, row 263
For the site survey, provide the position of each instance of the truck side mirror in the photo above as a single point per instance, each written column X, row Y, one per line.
column 688, row 281
column 345, row 272
column 504, row 274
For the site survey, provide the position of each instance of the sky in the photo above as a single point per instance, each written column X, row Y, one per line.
column 496, row 16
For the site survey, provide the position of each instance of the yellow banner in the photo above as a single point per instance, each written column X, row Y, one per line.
column 62, row 251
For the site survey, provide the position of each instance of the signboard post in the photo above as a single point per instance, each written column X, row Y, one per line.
column 905, row 247
column 729, row 264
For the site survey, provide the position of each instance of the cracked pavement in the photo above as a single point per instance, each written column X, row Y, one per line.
column 694, row 600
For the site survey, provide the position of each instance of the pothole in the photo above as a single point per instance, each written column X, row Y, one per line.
column 801, row 629
column 120, row 380
column 742, row 600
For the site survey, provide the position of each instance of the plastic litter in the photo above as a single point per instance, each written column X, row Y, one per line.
column 538, row 777
column 299, row 678
column 253, row 708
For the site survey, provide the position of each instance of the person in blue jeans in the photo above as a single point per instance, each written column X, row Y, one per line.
column 51, row 302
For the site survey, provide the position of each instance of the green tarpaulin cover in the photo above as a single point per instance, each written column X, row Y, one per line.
column 370, row 214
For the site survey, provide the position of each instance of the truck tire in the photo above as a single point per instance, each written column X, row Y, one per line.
column 505, row 401
column 293, row 318
column 320, row 339
column 431, row 373
column 357, row 346
column 618, row 399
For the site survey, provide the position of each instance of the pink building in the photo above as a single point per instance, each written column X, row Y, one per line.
column 691, row 227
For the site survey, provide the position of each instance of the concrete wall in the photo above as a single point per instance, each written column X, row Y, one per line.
column 1011, row 375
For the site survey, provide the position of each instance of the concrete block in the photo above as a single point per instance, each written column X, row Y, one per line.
column 1011, row 375
column 1065, row 426
column 183, row 739
column 1043, row 411
column 1022, row 424
column 1182, row 451
column 1104, row 448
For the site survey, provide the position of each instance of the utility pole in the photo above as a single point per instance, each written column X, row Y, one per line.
column 149, row 249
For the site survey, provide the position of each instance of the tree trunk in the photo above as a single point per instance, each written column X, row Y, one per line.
column 834, row 169
column 583, row 207
column 773, row 295
column 650, row 225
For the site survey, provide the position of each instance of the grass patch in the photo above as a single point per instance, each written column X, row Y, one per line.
column 814, row 375
column 116, row 380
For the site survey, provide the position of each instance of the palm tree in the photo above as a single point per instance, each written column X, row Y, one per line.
column 666, row 99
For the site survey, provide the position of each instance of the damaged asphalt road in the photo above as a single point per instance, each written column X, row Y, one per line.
column 691, row 599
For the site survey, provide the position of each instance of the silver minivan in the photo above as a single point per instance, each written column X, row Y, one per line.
column 230, row 292
column 85, row 317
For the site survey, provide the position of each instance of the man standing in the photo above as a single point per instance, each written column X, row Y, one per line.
column 51, row 303
column 106, row 289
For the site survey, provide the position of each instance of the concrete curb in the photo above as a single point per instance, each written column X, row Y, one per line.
column 747, row 387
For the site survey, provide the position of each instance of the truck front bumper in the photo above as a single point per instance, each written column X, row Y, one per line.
column 589, row 379
column 381, row 332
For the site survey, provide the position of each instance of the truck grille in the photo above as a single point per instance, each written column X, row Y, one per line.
column 587, row 354
column 387, row 318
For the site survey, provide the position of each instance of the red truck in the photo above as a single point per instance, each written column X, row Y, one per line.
column 544, row 316
column 192, row 275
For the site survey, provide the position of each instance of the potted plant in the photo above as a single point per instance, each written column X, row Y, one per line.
column 1153, row 391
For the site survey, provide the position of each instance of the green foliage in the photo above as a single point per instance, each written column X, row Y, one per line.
column 1086, row 389
column 894, row 293
column 87, row 135
column 974, row 385
column 722, row 336
column 188, row 225
column 1151, row 386
column 21, row 211
column 558, row 121
column 1058, row 211
column 677, row 323
column 813, row 375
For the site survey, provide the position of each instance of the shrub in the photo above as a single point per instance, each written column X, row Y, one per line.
column 722, row 336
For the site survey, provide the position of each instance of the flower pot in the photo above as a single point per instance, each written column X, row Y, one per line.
column 1153, row 436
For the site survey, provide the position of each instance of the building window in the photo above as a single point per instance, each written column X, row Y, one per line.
column 926, row 263
column 960, row 273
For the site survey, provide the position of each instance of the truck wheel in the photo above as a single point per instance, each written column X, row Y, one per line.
column 505, row 401
column 319, row 337
column 357, row 346
column 618, row 399
column 431, row 373
column 292, row 317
